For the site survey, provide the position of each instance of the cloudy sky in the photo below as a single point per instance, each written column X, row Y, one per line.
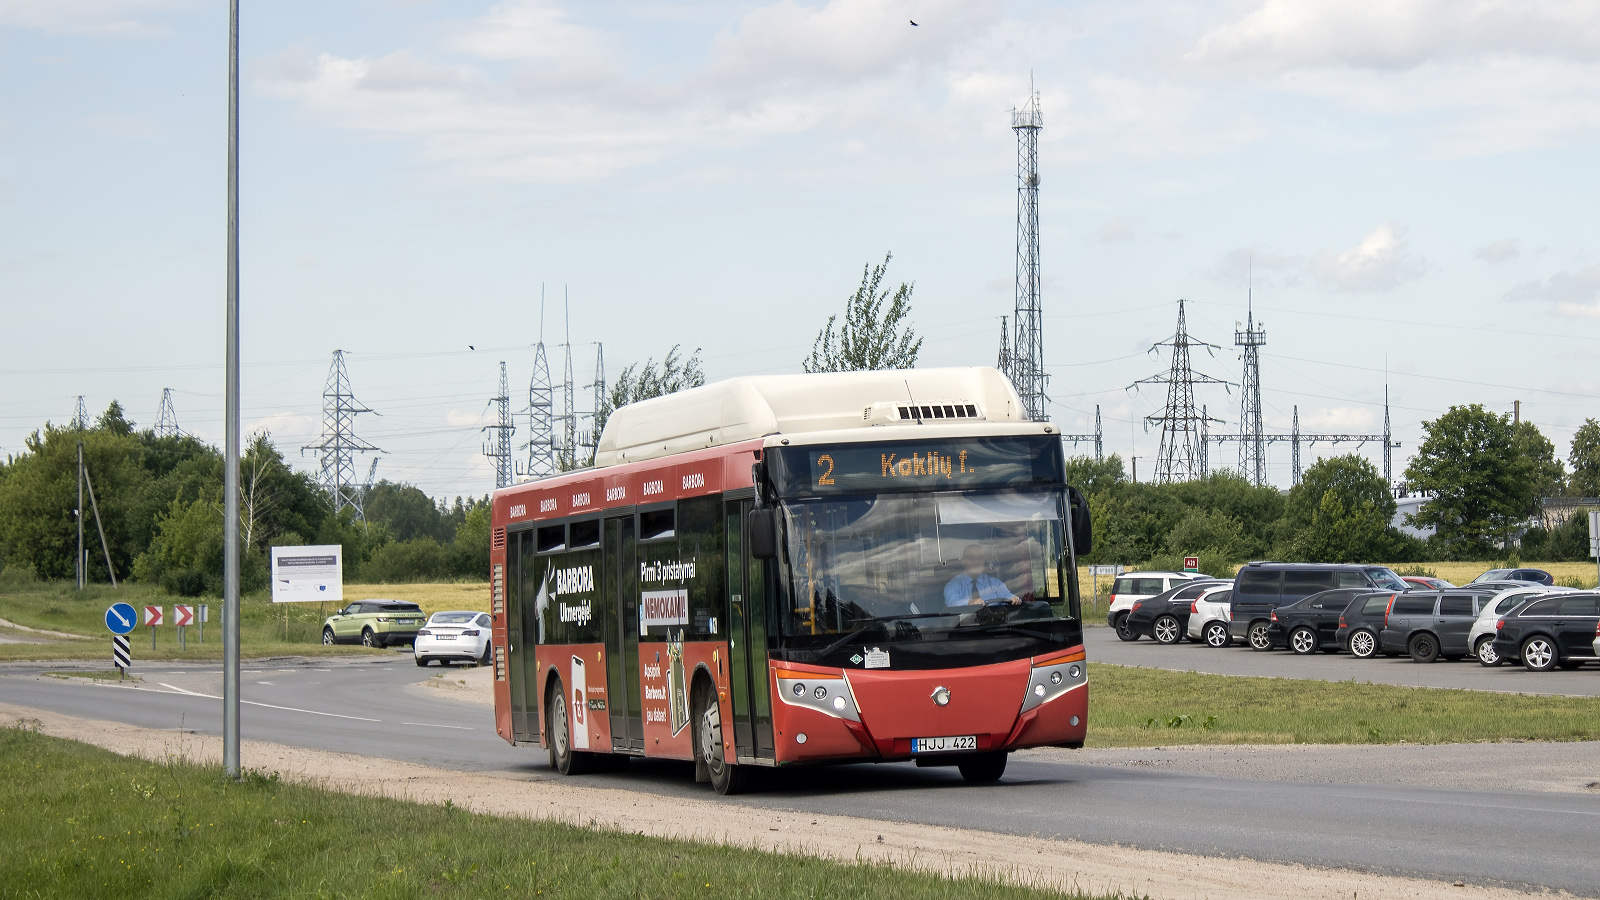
column 1410, row 182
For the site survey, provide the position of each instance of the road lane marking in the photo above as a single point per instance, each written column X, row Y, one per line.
column 431, row 725
column 313, row 712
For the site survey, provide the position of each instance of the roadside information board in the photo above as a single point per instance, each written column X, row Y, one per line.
column 308, row 574
column 121, row 617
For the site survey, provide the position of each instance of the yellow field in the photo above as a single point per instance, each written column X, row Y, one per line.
column 1463, row 572
column 431, row 597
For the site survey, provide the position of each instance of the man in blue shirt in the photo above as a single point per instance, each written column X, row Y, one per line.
column 974, row 587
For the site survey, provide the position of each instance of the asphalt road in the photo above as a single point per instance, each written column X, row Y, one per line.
column 364, row 706
column 1103, row 645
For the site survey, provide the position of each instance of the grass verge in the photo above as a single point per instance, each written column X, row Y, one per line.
column 1132, row 707
column 77, row 821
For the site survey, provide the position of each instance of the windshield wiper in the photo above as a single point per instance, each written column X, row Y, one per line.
column 878, row 622
column 1018, row 629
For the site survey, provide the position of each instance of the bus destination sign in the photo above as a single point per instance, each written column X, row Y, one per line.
column 922, row 465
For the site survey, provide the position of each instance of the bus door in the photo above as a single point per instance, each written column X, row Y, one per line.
column 622, row 636
column 747, row 641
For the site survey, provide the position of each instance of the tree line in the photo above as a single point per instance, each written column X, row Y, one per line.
column 160, row 502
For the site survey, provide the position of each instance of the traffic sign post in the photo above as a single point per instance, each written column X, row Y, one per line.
column 181, row 617
column 1191, row 563
column 152, row 617
column 205, row 616
column 121, row 656
column 1594, row 539
column 1094, row 577
column 120, row 619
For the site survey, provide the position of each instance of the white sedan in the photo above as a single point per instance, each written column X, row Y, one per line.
column 451, row 636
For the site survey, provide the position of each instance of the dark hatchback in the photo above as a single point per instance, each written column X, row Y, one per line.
column 1165, row 617
column 1561, row 631
column 1529, row 576
column 1361, row 623
column 1431, row 624
column 1312, row 624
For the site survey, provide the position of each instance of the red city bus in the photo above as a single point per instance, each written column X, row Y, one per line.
column 797, row 569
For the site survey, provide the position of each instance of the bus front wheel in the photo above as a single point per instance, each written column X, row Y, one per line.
column 725, row 777
column 983, row 767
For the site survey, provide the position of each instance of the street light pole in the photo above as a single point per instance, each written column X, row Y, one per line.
column 230, row 525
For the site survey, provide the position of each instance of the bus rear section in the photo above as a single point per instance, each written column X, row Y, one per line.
column 882, row 586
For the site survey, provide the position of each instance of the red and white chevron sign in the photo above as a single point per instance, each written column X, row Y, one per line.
column 183, row 615
column 153, row 615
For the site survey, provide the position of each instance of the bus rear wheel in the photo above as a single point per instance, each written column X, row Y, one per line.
column 983, row 767
column 726, row 777
column 563, row 758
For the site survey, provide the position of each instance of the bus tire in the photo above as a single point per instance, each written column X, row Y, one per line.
column 725, row 777
column 563, row 758
column 983, row 768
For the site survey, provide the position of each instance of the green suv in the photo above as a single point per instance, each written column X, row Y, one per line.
column 374, row 623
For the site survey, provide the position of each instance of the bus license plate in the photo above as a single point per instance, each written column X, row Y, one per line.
column 944, row 744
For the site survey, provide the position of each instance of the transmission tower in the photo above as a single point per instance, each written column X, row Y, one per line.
column 80, row 416
column 337, row 451
column 541, row 444
column 590, row 439
column 567, row 456
column 1252, row 448
column 1097, row 438
column 1027, row 354
column 1181, row 456
column 498, row 447
column 167, row 419
column 1004, row 363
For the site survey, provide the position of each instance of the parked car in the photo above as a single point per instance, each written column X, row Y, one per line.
column 1481, row 637
column 1532, row 576
column 456, row 635
column 1131, row 587
column 1431, row 624
column 1555, row 631
column 1306, row 626
column 1165, row 617
column 1261, row 587
column 1361, row 622
column 373, row 623
column 1209, row 616
column 1426, row 582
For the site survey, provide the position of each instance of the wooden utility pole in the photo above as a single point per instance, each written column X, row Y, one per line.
column 78, row 563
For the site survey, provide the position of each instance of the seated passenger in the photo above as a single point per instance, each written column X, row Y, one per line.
column 974, row 586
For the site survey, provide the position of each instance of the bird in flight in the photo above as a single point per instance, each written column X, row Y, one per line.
column 470, row 347
column 914, row 23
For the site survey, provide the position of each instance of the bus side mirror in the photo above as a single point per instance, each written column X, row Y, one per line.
column 1082, row 532
column 762, row 530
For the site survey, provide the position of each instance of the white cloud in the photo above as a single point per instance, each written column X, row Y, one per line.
column 1507, row 75
column 1380, row 262
column 1253, row 265
column 1575, row 294
column 114, row 18
column 1339, row 420
column 1503, row 250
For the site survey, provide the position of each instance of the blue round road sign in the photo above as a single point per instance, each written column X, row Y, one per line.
column 121, row 618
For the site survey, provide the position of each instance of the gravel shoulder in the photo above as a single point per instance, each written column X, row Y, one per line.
column 1065, row 865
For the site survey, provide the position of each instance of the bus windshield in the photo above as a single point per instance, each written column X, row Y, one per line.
column 903, row 567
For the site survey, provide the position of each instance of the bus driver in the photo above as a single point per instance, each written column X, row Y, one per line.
column 974, row 586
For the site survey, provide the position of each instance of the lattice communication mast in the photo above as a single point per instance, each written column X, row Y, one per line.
column 167, row 418
column 498, row 447
column 1181, row 456
column 339, row 446
column 590, row 438
column 1027, row 351
column 1252, row 445
column 541, row 444
column 567, row 455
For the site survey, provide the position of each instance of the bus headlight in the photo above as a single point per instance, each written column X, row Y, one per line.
column 1047, row 682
